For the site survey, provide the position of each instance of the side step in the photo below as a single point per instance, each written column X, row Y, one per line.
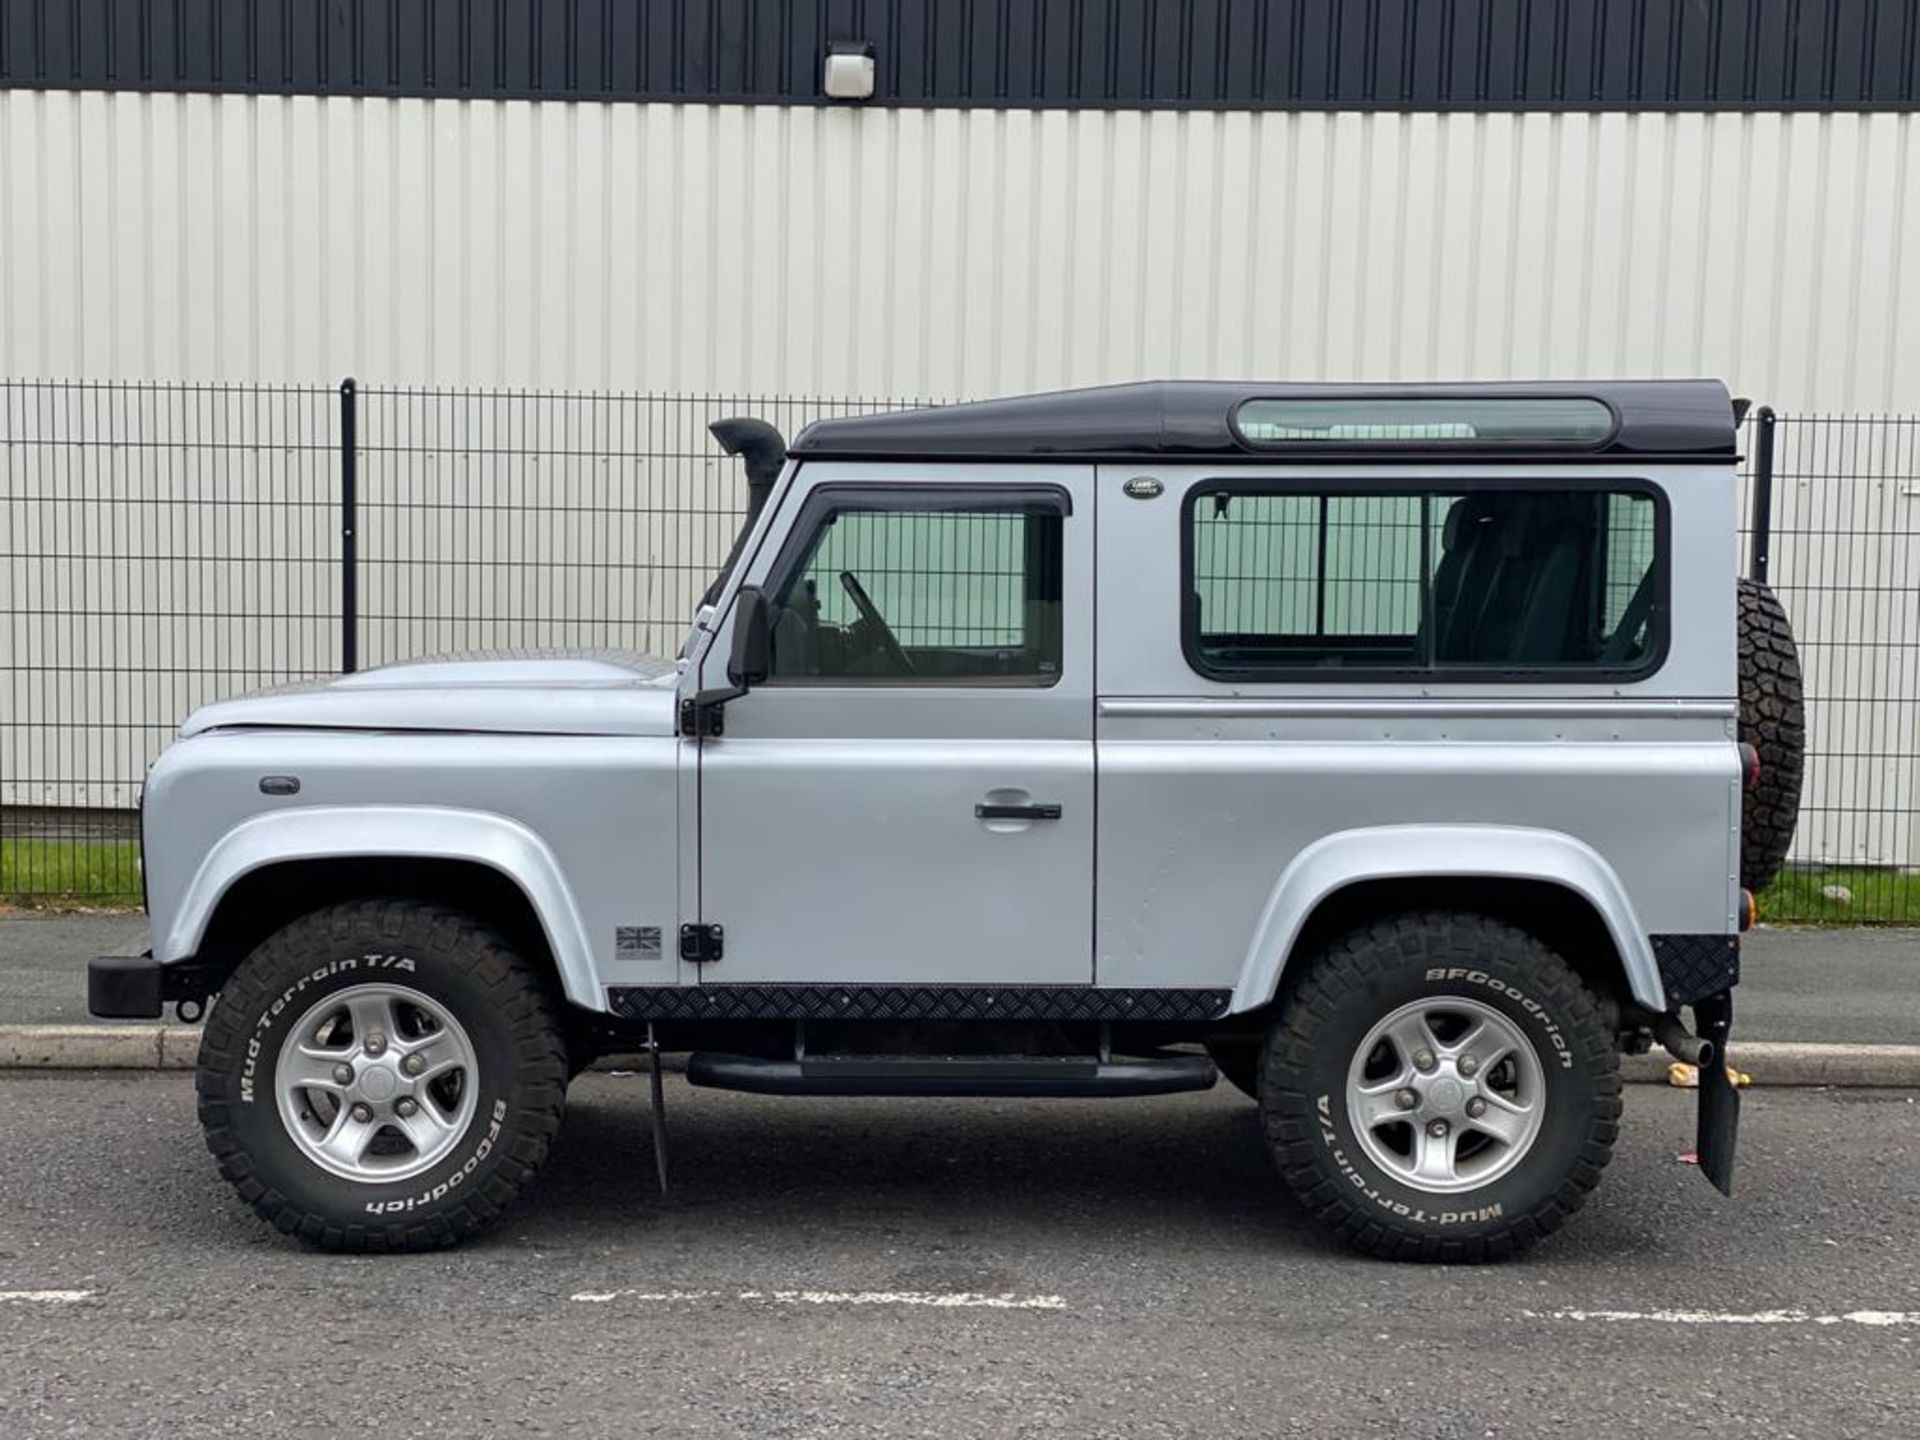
column 951, row 1075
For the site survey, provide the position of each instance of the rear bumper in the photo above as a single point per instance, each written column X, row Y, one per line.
column 136, row 987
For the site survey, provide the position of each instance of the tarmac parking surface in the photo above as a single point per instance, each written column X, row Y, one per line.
column 956, row 1268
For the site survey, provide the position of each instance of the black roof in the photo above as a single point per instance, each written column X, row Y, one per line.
column 1672, row 420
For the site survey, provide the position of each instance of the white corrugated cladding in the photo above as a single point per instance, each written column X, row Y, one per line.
column 799, row 251
column 950, row 253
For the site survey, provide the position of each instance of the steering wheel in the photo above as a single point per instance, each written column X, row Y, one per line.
column 870, row 613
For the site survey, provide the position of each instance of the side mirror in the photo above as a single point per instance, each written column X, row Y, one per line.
column 752, row 656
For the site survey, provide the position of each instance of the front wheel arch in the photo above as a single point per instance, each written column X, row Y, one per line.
column 257, row 905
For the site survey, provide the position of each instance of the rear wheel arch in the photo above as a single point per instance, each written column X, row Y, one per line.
column 1559, row 916
column 1545, row 882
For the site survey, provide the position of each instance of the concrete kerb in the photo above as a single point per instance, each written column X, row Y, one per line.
column 175, row 1047
column 1786, row 1062
column 98, row 1047
column 159, row 1047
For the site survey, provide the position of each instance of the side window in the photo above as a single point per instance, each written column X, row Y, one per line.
column 896, row 590
column 1316, row 580
column 1489, row 580
column 1628, row 562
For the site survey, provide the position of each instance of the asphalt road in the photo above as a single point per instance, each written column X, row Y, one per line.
column 1855, row 986
column 43, row 962
column 1148, row 1279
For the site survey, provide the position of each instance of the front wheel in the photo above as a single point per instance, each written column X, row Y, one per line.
column 1441, row 1087
column 382, row 1075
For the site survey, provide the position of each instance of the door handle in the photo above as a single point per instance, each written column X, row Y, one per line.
column 984, row 811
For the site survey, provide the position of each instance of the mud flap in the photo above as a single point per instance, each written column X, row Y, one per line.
column 1719, row 1122
column 659, row 1099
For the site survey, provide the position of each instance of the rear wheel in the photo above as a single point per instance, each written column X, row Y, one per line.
column 1441, row 1087
column 382, row 1075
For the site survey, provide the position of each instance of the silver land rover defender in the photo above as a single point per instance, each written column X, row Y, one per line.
column 1383, row 749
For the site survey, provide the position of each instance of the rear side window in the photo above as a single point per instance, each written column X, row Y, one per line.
column 1481, row 582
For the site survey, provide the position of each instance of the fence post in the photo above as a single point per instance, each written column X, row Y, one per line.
column 349, row 524
column 1761, row 540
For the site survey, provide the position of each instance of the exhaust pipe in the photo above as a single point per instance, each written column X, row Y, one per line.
column 1677, row 1042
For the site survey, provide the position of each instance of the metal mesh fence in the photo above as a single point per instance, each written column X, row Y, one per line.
column 162, row 546
column 941, row 578
column 1845, row 561
column 494, row 520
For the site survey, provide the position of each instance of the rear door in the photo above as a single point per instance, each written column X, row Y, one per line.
column 908, row 798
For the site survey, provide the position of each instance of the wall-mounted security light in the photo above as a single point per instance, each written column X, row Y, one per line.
column 849, row 70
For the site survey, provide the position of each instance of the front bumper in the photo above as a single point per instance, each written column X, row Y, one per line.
column 137, row 987
column 124, row 987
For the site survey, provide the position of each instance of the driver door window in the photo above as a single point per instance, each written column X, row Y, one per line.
column 907, row 590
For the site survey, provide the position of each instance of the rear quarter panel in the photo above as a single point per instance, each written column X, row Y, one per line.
column 1211, row 790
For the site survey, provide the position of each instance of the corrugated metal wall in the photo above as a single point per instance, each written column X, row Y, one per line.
column 800, row 251
column 950, row 252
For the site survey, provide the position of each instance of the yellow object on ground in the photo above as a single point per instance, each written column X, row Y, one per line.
column 1683, row 1076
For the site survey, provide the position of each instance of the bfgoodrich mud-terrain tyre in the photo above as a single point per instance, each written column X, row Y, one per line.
column 382, row 1075
column 1441, row 1087
column 1772, row 720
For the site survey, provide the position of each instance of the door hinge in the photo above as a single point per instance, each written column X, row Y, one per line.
column 702, row 719
column 701, row 944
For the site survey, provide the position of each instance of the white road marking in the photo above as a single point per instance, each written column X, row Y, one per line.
column 936, row 1300
column 955, row 1300
column 44, row 1297
column 1729, row 1317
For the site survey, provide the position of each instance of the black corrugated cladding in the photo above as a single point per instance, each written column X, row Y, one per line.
column 1197, row 54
